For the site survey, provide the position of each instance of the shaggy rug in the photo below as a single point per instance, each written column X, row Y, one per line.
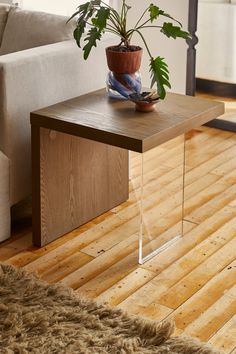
column 39, row 318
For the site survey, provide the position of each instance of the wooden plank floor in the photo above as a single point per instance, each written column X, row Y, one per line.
column 194, row 280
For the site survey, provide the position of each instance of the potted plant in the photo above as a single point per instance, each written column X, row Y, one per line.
column 124, row 59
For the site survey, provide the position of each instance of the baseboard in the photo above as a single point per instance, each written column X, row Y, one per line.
column 222, row 124
column 223, row 89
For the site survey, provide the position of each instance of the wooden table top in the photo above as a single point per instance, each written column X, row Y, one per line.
column 94, row 116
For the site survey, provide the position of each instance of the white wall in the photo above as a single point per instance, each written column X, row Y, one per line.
column 216, row 50
column 174, row 51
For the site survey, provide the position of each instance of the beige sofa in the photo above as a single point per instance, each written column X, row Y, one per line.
column 40, row 65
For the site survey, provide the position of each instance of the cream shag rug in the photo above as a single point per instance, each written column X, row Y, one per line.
column 39, row 318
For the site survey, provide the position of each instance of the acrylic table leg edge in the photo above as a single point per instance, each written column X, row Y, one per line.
column 143, row 259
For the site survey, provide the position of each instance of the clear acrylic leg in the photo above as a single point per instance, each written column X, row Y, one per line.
column 161, row 197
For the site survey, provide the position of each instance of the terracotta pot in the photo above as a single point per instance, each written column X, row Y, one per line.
column 124, row 62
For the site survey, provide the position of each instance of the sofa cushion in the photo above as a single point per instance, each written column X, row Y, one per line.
column 29, row 29
column 4, row 8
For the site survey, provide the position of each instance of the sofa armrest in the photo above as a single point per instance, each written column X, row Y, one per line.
column 36, row 78
column 59, row 65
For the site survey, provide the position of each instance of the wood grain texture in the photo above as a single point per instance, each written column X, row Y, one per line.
column 214, row 317
column 36, row 204
column 191, row 309
column 79, row 180
column 94, row 116
column 193, row 281
column 76, row 179
column 225, row 338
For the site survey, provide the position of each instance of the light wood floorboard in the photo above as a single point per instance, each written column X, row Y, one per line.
column 194, row 280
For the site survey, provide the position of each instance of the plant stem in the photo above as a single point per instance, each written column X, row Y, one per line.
column 123, row 20
column 106, row 5
column 151, row 27
column 111, row 31
column 145, row 43
column 143, row 24
column 122, row 11
column 112, row 27
column 115, row 23
column 141, row 17
column 113, row 12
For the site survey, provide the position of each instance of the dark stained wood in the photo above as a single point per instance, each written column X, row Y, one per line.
column 94, row 116
column 36, row 204
column 191, row 52
column 222, row 124
column 79, row 180
column 225, row 89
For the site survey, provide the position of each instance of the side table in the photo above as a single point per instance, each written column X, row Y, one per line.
column 80, row 163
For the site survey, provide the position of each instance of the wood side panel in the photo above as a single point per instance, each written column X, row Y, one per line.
column 35, row 153
column 80, row 179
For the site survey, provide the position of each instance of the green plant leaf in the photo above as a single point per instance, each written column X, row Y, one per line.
column 73, row 15
column 159, row 75
column 173, row 31
column 155, row 12
column 85, row 11
column 100, row 21
column 163, row 13
column 78, row 32
column 94, row 35
column 82, row 11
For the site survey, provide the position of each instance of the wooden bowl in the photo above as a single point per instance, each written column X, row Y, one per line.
column 145, row 106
